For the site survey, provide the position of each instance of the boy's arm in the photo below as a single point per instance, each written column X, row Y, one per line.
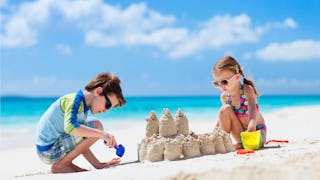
column 71, row 107
column 86, row 131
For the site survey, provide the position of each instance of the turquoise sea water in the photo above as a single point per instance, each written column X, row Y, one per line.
column 25, row 111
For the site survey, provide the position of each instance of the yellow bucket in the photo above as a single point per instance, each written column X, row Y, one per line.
column 251, row 140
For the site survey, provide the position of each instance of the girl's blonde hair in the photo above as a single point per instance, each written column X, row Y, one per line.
column 228, row 63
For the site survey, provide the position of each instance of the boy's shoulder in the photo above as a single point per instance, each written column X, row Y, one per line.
column 70, row 95
column 68, row 99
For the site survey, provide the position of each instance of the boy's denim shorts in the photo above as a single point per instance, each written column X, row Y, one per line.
column 62, row 146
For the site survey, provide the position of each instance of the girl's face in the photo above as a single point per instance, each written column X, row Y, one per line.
column 101, row 103
column 225, row 80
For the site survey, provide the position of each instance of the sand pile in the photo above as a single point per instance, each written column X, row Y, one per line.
column 170, row 139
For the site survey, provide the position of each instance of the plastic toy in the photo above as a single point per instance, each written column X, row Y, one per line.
column 120, row 150
column 251, row 140
column 245, row 151
column 275, row 140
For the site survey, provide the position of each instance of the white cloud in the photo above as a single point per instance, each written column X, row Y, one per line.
column 179, row 42
column 18, row 33
column 75, row 10
column 64, row 49
column 20, row 28
column 97, row 38
column 97, row 15
column 216, row 32
column 287, row 23
column 293, row 51
column 105, row 25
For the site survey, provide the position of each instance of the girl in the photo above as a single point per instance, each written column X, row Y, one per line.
column 239, row 111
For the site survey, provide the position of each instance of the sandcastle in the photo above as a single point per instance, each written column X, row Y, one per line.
column 170, row 139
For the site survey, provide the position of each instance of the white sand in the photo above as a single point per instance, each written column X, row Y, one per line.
column 299, row 159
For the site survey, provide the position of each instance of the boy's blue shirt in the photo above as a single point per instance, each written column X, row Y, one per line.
column 63, row 117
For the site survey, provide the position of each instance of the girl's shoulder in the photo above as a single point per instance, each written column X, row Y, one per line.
column 248, row 91
column 248, row 88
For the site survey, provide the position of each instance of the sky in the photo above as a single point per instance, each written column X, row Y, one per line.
column 158, row 48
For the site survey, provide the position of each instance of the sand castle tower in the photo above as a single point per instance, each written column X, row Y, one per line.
column 152, row 124
column 142, row 149
column 207, row 145
column 181, row 123
column 191, row 147
column 155, row 149
column 172, row 149
column 167, row 126
column 222, row 141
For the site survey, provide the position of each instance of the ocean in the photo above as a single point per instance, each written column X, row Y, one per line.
column 24, row 112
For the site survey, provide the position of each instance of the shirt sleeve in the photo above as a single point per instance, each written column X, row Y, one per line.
column 71, row 106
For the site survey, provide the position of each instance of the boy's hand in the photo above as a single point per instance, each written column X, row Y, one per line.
column 109, row 163
column 114, row 161
column 109, row 140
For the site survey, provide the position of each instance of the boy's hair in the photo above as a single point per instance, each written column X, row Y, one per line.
column 228, row 63
column 110, row 84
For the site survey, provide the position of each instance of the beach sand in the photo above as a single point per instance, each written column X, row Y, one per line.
column 298, row 159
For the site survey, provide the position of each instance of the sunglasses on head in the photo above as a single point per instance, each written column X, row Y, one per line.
column 223, row 82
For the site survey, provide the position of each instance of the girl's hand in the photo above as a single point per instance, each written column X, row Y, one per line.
column 251, row 126
column 109, row 140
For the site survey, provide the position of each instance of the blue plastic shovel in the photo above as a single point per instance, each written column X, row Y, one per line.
column 119, row 150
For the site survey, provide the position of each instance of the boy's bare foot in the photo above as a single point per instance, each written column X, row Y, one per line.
column 238, row 146
column 57, row 168
column 77, row 168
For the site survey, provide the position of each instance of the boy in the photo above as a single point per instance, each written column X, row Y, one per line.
column 64, row 131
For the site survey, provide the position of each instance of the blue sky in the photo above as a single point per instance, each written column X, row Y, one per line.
column 50, row 47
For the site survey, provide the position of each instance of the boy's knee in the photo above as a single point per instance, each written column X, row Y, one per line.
column 98, row 125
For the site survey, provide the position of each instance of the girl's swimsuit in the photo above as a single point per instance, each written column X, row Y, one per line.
column 242, row 111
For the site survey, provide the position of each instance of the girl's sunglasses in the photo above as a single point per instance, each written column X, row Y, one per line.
column 222, row 82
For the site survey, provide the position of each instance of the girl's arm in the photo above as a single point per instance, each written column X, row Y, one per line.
column 252, row 101
column 223, row 97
